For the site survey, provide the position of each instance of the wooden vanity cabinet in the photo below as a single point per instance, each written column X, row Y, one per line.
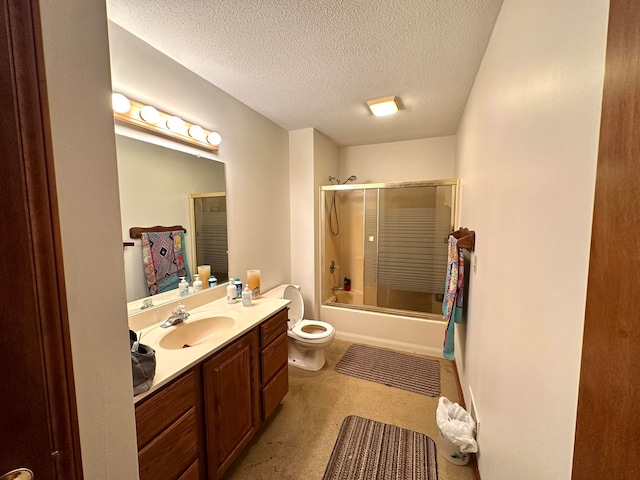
column 274, row 362
column 231, row 402
column 169, row 427
column 197, row 425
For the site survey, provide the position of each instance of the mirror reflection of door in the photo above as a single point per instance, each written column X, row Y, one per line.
column 209, row 227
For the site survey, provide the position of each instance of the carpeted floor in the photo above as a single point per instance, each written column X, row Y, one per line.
column 298, row 440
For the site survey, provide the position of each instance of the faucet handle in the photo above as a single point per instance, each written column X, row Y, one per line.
column 180, row 308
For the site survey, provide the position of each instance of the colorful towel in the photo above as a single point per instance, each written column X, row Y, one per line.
column 163, row 257
column 453, row 296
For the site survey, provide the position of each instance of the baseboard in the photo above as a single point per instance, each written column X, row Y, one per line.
column 392, row 344
column 459, row 385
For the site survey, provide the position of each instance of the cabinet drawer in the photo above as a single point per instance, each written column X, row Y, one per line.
column 275, row 391
column 159, row 411
column 272, row 328
column 172, row 452
column 274, row 357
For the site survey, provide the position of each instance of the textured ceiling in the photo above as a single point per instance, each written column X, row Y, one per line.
column 315, row 63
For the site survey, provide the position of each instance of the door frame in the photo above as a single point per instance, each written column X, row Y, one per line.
column 37, row 186
column 606, row 436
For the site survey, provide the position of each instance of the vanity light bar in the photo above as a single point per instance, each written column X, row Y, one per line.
column 149, row 118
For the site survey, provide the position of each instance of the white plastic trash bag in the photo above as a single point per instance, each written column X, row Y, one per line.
column 457, row 427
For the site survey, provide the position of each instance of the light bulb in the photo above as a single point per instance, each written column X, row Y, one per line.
column 175, row 124
column 196, row 131
column 149, row 114
column 120, row 103
column 214, row 139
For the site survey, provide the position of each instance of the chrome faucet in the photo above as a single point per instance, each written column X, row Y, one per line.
column 178, row 316
column 146, row 303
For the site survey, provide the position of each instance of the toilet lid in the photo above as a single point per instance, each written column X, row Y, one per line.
column 296, row 307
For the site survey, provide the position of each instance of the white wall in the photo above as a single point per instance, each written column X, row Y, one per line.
column 313, row 157
column 325, row 155
column 526, row 157
column 407, row 161
column 254, row 149
column 301, row 210
column 77, row 69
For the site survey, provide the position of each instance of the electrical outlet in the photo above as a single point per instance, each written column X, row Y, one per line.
column 475, row 263
column 473, row 410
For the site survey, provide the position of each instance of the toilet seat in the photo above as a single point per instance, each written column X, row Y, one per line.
column 311, row 331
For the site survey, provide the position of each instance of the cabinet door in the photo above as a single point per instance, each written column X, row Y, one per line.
column 232, row 408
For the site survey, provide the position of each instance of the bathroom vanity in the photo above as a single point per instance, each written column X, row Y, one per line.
column 208, row 401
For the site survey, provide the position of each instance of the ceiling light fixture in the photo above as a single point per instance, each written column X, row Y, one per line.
column 383, row 106
column 149, row 118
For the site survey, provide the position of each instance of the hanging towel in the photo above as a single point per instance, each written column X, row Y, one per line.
column 453, row 296
column 163, row 258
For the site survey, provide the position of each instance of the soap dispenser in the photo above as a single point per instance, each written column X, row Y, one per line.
column 183, row 287
column 232, row 296
column 246, row 296
column 197, row 284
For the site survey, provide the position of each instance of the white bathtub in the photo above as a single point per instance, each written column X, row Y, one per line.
column 351, row 297
column 399, row 332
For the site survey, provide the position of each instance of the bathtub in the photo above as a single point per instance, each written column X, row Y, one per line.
column 399, row 332
column 352, row 297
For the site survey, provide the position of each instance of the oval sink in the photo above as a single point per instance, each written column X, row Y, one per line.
column 196, row 332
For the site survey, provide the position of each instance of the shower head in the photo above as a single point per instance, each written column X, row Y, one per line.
column 352, row 178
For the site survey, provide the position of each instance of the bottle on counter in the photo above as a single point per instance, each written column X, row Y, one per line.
column 183, row 287
column 238, row 284
column 246, row 296
column 212, row 281
column 232, row 294
column 197, row 284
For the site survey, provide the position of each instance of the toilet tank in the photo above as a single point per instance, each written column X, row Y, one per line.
column 296, row 307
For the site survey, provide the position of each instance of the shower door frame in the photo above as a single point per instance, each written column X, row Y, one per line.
column 453, row 183
column 192, row 221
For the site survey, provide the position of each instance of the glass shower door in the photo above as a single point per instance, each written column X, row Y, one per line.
column 405, row 261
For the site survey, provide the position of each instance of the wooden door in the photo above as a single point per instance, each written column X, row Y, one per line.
column 37, row 410
column 232, row 409
column 607, row 440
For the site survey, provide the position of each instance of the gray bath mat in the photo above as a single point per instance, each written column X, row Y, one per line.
column 367, row 450
column 416, row 374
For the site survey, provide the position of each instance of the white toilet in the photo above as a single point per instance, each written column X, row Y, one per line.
column 307, row 338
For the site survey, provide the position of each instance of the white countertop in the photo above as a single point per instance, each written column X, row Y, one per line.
column 170, row 363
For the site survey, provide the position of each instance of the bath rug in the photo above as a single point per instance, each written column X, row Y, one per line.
column 408, row 372
column 366, row 450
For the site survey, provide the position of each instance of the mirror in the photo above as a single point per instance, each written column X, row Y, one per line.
column 156, row 184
